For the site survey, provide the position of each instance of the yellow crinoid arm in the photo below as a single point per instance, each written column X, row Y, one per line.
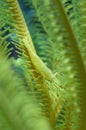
column 52, row 103
column 21, row 26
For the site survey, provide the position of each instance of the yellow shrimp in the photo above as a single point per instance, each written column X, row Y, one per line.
column 38, row 63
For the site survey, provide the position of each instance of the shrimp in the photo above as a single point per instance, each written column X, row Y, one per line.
column 38, row 63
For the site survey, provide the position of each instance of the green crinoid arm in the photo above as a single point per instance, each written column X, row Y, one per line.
column 78, row 62
column 58, row 26
column 18, row 109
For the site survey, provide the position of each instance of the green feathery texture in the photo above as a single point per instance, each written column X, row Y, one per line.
column 61, row 27
column 18, row 109
column 51, row 64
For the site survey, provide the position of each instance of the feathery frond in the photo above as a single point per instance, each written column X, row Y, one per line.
column 49, row 37
column 18, row 109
